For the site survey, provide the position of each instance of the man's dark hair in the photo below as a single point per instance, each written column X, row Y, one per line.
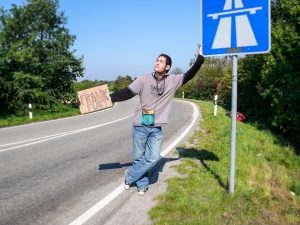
column 168, row 60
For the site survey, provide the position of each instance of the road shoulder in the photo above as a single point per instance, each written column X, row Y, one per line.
column 135, row 210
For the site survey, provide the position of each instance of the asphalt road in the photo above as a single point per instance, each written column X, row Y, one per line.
column 51, row 172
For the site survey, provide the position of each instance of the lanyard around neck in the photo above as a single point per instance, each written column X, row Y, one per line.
column 158, row 80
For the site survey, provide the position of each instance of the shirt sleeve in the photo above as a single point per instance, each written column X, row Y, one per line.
column 178, row 80
column 137, row 85
column 122, row 95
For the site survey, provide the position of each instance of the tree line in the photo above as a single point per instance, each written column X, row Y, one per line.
column 119, row 83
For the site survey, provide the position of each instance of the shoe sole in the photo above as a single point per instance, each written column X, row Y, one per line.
column 126, row 186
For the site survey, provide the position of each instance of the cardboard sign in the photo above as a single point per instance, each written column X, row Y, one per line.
column 94, row 99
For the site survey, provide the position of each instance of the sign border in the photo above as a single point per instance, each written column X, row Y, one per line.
column 237, row 53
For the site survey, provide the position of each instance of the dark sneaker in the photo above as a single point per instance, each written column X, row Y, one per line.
column 126, row 185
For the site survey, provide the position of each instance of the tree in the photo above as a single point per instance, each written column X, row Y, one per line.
column 176, row 70
column 270, row 84
column 35, row 57
column 122, row 82
column 205, row 83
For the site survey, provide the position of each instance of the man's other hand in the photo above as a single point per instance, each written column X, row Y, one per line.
column 200, row 50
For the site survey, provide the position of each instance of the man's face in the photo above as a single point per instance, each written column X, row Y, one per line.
column 161, row 65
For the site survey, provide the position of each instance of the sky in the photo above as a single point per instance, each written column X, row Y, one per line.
column 124, row 37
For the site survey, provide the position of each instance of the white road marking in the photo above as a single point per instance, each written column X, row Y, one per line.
column 34, row 139
column 50, row 121
column 98, row 206
column 174, row 143
column 111, row 196
column 47, row 138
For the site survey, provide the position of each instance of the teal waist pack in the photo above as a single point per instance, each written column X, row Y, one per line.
column 148, row 117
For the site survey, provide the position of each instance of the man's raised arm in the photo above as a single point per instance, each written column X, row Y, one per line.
column 194, row 69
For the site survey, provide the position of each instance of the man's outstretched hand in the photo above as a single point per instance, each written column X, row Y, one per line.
column 200, row 50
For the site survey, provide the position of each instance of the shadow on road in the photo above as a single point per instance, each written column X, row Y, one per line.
column 153, row 173
column 117, row 165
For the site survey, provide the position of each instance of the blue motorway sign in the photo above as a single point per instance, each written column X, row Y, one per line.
column 232, row 27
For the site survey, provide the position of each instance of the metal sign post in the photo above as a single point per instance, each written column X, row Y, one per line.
column 233, row 123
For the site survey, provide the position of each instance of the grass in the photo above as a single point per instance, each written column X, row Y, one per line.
column 267, row 178
column 11, row 120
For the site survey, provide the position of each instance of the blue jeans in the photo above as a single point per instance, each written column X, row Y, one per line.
column 146, row 152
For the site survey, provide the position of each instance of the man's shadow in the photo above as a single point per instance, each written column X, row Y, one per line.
column 110, row 166
column 203, row 156
column 153, row 173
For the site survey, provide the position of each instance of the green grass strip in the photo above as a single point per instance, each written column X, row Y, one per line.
column 39, row 116
column 267, row 176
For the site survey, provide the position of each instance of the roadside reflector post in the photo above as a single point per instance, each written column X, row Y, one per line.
column 215, row 107
column 30, row 110
column 183, row 95
column 233, row 123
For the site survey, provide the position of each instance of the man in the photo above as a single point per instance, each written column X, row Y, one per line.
column 156, row 92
